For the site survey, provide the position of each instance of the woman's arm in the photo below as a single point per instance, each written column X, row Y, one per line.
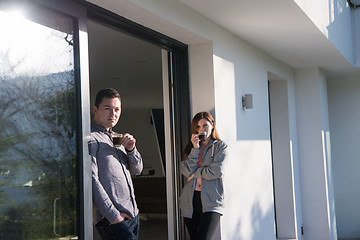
column 215, row 169
column 189, row 165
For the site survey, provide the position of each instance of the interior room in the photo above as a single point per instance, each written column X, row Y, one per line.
column 133, row 67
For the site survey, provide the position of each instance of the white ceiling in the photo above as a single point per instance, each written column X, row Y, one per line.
column 279, row 28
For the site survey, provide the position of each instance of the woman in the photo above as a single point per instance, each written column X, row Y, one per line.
column 202, row 198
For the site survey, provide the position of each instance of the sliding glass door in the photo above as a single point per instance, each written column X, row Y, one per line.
column 39, row 147
column 45, row 169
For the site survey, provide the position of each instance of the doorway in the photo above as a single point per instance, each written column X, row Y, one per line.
column 133, row 67
column 283, row 179
column 147, row 76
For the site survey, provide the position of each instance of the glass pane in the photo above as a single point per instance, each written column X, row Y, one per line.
column 38, row 156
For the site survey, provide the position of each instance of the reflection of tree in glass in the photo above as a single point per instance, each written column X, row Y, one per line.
column 37, row 156
column 38, row 160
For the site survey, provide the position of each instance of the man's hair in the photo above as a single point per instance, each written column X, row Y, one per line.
column 106, row 93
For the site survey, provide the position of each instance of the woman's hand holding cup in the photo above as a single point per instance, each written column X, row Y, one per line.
column 195, row 140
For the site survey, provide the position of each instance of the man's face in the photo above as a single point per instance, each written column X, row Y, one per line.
column 108, row 113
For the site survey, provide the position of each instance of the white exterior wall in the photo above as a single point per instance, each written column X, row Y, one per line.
column 201, row 67
column 314, row 153
column 344, row 112
column 240, row 69
column 295, row 157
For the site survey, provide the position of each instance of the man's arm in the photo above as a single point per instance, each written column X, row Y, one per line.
column 133, row 156
column 135, row 162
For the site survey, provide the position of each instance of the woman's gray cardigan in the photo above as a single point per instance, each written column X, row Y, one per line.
column 211, row 174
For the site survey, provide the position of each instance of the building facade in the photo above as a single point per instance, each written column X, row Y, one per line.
column 281, row 78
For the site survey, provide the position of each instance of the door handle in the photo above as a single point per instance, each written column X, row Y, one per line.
column 54, row 223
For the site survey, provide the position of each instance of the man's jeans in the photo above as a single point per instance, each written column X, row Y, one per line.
column 128, row 229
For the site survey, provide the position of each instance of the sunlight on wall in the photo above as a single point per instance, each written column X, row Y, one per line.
column 225, row 84
column 330, row 186
column 248, row 192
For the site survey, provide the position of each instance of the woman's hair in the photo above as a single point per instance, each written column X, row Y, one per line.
column 193, row 130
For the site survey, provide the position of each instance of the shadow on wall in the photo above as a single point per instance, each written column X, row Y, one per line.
column 344, row 128
column 343, row 32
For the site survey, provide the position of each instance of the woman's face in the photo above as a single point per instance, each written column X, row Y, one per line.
column 204, row 126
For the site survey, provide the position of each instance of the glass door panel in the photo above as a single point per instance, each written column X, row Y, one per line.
column 38, row 127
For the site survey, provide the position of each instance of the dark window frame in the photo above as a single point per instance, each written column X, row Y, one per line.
column 179, row 87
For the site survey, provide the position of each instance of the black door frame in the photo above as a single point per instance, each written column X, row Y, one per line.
column 179, row 88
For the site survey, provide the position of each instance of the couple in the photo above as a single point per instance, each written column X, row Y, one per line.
column 116, row 215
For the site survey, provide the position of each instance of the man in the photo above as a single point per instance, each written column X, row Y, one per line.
column 116, row 212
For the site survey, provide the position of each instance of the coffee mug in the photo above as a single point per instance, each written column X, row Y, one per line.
column 202, row 136
column 117, row 138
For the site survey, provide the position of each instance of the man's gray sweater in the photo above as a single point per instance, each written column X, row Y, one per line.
column 113, row 190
